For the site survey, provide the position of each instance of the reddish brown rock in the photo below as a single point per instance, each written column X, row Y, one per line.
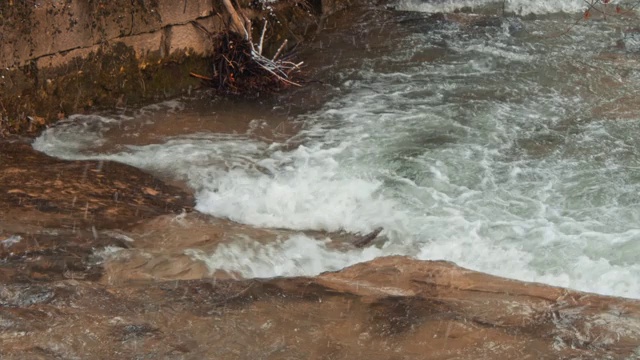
column 37, row 189
column 55, row 214
column 390, row 308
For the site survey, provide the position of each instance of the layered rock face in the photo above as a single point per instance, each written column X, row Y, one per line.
column 54, row 31
column 63, row 57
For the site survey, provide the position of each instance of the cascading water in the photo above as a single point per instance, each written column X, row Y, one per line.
column 501, row 146
column 520, row 7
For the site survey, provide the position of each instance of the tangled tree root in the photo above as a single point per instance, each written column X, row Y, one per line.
column 238, row 67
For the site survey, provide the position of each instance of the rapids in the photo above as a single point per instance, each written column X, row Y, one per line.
column 508, row 145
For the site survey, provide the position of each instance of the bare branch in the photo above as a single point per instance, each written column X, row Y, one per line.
column 280, row 50
column 264, row 30
column 236, row 21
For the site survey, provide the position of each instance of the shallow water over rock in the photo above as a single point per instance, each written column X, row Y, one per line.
column 389, row 308
column 413, row 130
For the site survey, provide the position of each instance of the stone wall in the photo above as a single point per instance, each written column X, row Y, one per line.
column 59, row 57
column 58, row 29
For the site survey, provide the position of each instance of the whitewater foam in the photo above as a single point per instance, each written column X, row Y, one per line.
column 298, row 255
column 307, row 191
column 501, row 169
column 519, row 7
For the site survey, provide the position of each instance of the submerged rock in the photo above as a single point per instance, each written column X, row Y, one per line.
column 393, row 307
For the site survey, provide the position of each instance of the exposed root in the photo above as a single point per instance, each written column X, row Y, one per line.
column 240, row 67
column 365, row 240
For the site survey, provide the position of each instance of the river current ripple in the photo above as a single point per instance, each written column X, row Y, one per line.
column 507, row 144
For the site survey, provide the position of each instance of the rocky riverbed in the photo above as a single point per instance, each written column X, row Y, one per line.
column 62, row 297
column 100, row 260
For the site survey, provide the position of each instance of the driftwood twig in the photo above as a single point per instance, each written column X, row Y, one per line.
column 264, row 30
column 367, row 239
column 280, row 49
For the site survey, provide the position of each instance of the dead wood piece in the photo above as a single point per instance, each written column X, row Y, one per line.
column 365, row 240
column 237, row 22
column 201, row 77
column 280, row 50
column 238, row 67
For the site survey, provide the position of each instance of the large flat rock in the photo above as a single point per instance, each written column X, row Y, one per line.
column 390, row 308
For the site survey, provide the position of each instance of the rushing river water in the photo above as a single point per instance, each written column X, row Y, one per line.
column 499, row 144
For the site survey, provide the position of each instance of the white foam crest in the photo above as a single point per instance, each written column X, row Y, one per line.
column 520, row 7
column 445, row 6
column 597, row 276
column 298, row 255
column 172, row 106
column 192, row 159
column 84, row 133
column 74, row 134
column 531, row 250
column 308, row 190
column 181, row 155
column 496, row 51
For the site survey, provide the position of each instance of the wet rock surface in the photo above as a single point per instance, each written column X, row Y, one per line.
column 390, row 308
column 55, row 214
column 81, row 194
column 93, row 265
column 86, row 275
